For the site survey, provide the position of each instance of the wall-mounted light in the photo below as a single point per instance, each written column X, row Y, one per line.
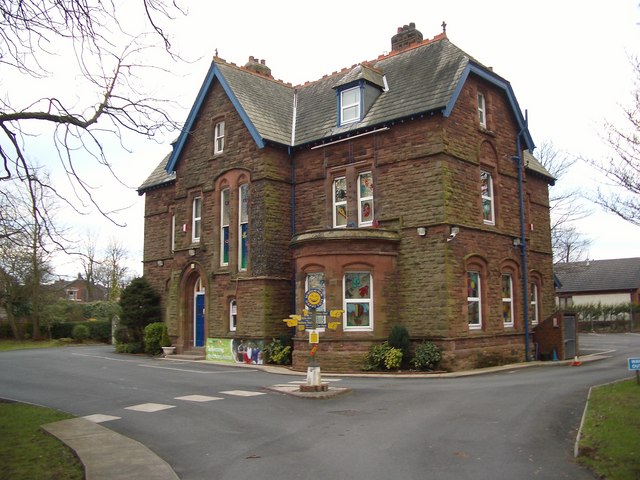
column 422, row 231
column 192, row 252
column 517, row 242
column 453, row 233
column 160, row 263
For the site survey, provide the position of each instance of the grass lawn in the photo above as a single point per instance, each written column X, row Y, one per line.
column 610, row 441
column 6, row 344
column 26, row 452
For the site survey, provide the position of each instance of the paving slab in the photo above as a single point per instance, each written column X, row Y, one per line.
column 107, row 455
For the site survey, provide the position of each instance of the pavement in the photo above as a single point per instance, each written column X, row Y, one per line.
column 107, row 455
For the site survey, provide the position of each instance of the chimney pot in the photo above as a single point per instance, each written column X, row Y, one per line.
column 406, row 36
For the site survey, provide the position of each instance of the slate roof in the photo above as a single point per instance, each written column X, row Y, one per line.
column 423, row 78
column 158, row 177
column 598, row 275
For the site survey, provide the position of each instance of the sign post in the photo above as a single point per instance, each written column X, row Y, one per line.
column 634, row 365
column 313, row 299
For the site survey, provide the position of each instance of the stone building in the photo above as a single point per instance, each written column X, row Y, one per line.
column 402, row 188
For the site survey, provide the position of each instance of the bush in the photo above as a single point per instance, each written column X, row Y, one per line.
column 140, row 306
column 128, row 348
column 393, row 358
column 399, row 338
column 99, row 330
column 277, row 352
column 427, row 356
column 375, row 356
column 80, row 332
column 152, row 336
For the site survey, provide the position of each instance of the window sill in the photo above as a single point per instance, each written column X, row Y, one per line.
column 486, row 131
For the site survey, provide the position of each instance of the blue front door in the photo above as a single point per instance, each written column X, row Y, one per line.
column 199, row 321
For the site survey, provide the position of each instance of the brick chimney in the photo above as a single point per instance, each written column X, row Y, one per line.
column 258, row 66
column 407, row 35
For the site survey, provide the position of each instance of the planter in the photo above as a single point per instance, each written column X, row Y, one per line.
column 168, row 350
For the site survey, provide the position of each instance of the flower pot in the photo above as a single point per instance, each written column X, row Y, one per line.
column 168, row 350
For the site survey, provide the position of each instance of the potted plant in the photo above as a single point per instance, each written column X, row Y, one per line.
column 165, row 343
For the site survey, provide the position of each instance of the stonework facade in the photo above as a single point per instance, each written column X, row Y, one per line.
column 408, row 217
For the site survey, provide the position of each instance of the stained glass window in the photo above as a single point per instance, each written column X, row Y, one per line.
column 358, row 301
column 224, row 227
column 365, row 199
column 340, row 202
column 486, row 183
column 473, row 300
column 243, row 234
column 507, row 300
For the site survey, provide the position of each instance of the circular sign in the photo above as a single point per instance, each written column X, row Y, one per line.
column 313, row 298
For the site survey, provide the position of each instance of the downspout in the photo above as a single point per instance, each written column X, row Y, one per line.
column 293, row 192
column 523, row 241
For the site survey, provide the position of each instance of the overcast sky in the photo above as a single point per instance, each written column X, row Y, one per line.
column 567, row 61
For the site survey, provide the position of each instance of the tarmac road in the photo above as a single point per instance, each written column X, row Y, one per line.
column 219, row 422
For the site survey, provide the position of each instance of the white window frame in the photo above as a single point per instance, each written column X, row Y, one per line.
column 196, row 219
column 355, row 105
column 233, row 315
column 534, row 304
column 224, row 225
column 361, row 200
column 218, row 138
column 242, row 222
column 478, row 300
column 490, row 197
column 482, row 110
column 336, row 203
column 508, row 299
column 173, row 233
column 346, row 301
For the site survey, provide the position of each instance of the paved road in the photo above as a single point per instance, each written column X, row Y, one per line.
column 215, row 422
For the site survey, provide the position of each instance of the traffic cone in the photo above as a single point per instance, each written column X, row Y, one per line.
column 576, row 362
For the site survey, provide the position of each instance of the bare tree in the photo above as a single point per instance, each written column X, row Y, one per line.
column 622, row 168
column 111, row 272
column 90, row 264
column 25, row 245
column 566, row 204
column 109, row 58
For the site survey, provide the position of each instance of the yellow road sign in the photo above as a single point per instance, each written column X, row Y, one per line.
column 336, row 313
column 333, row 325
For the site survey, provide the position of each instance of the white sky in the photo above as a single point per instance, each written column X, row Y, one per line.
column 567, row 61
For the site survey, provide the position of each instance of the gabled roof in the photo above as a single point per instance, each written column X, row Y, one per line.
column 423, row 78
column 599, row 275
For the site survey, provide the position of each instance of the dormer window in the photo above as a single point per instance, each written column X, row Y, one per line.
column 350, row 105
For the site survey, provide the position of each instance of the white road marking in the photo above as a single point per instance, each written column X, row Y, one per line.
column 149, row 407
column 194, row 371
column 242, row 393
column 198, row 398
column 99, row 418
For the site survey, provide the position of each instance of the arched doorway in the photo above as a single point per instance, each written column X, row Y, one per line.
column 198, row 313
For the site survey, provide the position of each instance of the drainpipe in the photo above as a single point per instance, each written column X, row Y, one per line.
column 293, row 191
column 523, row 242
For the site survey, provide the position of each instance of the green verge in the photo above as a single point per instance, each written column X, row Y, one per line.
column 610, row 440
column 6, row 345
column 27, row 452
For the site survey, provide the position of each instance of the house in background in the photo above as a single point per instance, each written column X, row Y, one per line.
column 79, row 290
column 402, row 188
column 592, row 282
